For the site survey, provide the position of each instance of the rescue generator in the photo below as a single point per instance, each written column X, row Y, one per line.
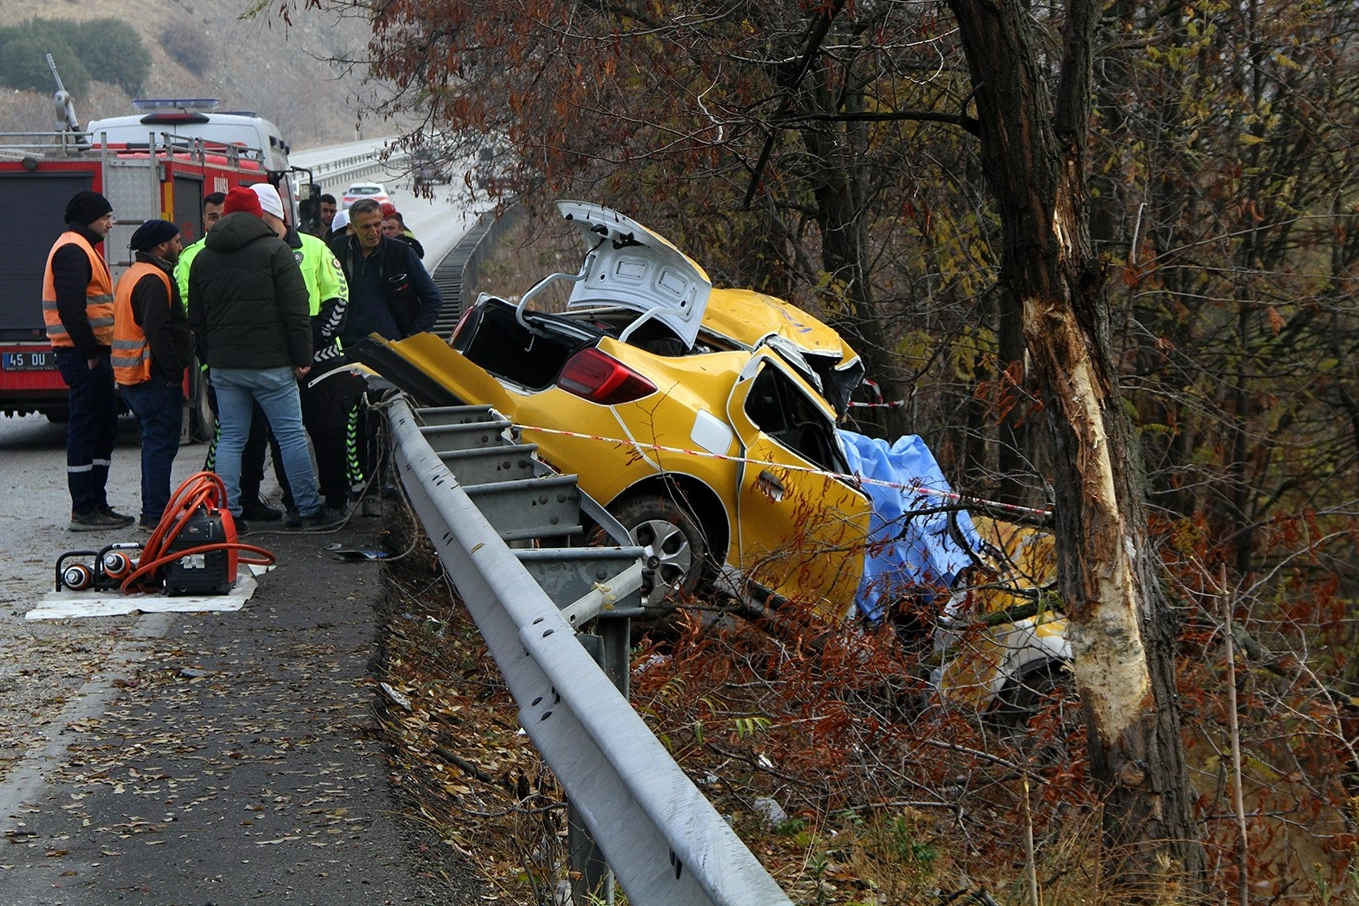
column 192, row 551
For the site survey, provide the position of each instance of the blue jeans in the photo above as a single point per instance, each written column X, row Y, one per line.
column 275, row 389
column 92, row 429
column 159, row 408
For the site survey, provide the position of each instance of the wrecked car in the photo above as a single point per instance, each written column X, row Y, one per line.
column 716, row 451
column 704, row 420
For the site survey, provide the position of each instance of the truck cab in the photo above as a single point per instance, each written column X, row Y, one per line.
column 157, row 164
column 195, row 118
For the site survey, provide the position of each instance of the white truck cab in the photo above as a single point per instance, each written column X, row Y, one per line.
column 195, row 118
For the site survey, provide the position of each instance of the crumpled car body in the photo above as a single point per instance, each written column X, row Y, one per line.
column 698, row 416
column 703, row 419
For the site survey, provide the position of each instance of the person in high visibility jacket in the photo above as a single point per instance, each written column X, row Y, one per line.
column 152, row 347
column 77, row 307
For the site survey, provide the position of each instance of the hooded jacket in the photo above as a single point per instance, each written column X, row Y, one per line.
column 248, row 304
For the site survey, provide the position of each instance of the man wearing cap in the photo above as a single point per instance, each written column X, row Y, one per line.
column 339, row 226
column 152, row 347
column 325, row 413
column 77, row 307
column 249, row 312
column 253, row 507
column 394, row 227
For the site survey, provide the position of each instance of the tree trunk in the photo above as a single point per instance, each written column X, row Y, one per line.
column 1122, row 636
column 842, row 217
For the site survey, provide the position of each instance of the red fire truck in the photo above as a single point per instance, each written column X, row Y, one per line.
column 164, row 174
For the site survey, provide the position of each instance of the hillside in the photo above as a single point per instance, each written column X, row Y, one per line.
column 282, row 72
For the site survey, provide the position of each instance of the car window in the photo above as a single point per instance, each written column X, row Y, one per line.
column 780, row 409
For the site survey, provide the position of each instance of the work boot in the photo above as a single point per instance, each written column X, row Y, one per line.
column 97, row 521
column 114, row 514
column 259, row 511
column 324, row 518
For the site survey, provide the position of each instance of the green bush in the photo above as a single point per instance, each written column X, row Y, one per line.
column 23, row 62
column 113, row 52
column 110, row 48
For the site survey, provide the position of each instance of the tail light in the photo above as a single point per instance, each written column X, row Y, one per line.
column 592, row 375
column 468, row 319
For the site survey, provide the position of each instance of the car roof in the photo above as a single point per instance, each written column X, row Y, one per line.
column 627, row 264
column 367, row 185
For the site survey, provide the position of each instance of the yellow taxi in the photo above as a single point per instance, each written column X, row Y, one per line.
column 703, row 419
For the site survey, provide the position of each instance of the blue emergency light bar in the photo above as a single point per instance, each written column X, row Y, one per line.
column 176, row 103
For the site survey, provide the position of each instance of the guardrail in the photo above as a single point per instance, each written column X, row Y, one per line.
column 662, row 839
column 337, row 172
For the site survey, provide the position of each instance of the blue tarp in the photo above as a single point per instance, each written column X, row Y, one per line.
column 906, row 551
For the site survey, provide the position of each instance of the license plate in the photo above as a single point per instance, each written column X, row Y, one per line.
column 29, row 361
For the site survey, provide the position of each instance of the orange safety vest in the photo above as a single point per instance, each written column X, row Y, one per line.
column 98, row 296
column 131, row 352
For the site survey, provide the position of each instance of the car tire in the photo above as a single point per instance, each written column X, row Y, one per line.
column 202, row 420
column 676, row 548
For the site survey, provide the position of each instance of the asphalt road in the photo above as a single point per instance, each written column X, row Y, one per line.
column 196, row 758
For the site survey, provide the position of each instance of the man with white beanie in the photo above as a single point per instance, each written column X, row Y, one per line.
column 324, row 412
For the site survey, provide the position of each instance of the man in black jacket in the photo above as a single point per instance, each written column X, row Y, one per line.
column 249, row 309
column 152, row 348
column 390, row 294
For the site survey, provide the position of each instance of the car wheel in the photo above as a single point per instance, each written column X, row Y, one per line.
column 202, row 421
column 676, row 547
column 1039, row 716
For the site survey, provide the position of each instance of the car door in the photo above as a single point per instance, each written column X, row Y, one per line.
column 802, row 525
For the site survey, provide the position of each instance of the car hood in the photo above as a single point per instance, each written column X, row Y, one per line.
column 817, row 350
column 628, row 265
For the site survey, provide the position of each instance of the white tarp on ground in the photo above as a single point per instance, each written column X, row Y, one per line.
column 910, row 543
column 67, row 604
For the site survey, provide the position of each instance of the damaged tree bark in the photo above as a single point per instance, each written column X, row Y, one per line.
column 1033, row 149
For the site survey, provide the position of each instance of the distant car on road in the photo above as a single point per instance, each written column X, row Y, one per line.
column 359, row 190
column 430, row 165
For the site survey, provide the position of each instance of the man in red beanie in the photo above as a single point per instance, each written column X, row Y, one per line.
column 249, row 310
column 77, row 307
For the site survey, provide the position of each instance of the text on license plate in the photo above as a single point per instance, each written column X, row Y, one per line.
column 29, row 361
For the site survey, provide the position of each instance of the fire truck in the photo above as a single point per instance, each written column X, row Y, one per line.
column 161, row 167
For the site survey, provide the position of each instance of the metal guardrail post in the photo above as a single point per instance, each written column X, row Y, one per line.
column 664, row 841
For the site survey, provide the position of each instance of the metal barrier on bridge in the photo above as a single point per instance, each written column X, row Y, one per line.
column 504, row 533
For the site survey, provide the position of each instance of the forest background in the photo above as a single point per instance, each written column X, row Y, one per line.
column 834, row 154
column 1099, row 255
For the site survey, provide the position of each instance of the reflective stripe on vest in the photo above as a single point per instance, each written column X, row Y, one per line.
column 98, row 295
column 131, row 352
